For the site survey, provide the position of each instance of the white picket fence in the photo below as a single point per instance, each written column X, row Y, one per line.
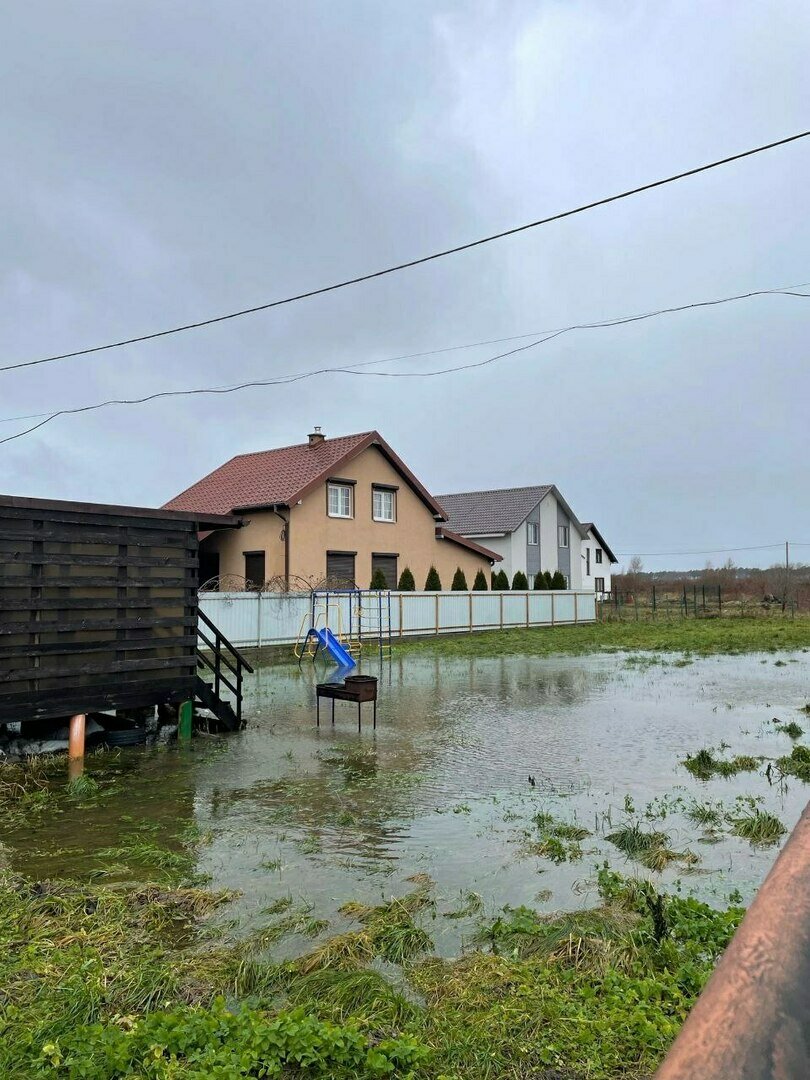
column 253, row 620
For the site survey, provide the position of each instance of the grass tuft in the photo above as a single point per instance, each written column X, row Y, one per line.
column 651, row 849
column 758, row 826
column 796, row 764
column 705, row 764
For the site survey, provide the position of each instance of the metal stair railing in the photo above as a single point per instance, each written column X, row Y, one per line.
column 225, row 655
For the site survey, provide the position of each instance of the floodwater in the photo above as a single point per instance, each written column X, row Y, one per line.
column 326, row 815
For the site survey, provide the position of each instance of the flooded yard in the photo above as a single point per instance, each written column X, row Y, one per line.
column 307, row 818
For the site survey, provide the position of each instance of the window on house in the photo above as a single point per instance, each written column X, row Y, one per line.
column 340, row 501
column 533, row 531
column 587, row 562
column 562, row 536
column 383, row 504
column 598, row 554
column 599, row 584
column 254, row 571
column 340, row 567
column 387, row 564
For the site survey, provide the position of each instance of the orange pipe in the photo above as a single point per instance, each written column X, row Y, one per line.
column 76, row 736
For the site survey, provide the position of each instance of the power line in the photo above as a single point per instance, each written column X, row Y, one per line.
column 355, row 369
column 412, row 262
column 708, row 551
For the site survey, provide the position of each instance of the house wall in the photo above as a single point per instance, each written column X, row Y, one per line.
column 502, row 545
column 548, row 534
column 602, row 570
column 532, row 550
column 412, row 537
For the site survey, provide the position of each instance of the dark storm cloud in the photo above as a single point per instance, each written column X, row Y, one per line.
column 164, row 162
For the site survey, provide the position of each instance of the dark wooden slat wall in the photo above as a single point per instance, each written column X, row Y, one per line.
column 97, row 611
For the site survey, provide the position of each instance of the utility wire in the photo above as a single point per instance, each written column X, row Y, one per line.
column 356, row 369
column 413, row 262
column 708, row 551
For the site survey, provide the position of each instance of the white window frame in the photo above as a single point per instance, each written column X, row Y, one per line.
column 344, row 494
column 563, row 536
column 598, row 555
column 532, row 530
column 385, row 495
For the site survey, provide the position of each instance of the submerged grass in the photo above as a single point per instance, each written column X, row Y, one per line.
column 797, row 763
column 553, row 839
column 699, row 636
column 705, row 764
column 758, row 826
column 791, row 729
column 649, row 847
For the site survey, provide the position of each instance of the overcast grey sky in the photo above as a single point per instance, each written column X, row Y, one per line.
column 165, row 161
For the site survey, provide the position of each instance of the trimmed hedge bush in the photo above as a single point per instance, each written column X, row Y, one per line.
column 459, row 583
column 540, row 580
column 378, row 580
column 406, row 581
column 480, row 583
column 433, row 583
column 558, row 580
column 519, row 581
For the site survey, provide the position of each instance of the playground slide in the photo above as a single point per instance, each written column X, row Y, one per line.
column 334, row 648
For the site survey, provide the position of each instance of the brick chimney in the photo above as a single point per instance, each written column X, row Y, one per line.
column 316, row 437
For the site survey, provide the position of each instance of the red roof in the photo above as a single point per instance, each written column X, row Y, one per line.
column 282, row 477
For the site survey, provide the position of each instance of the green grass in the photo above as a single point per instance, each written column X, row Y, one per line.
column 648, row 847
column 796, row 764
column 698, row 636
column 552, row 839
column 792, row 729
column 758, row 826
column 705, row 764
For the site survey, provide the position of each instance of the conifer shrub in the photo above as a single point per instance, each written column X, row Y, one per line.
column 547, row 577
column 540, row 580
column 480, row 583
column 459, row 583
column 558, row 580
column 433, row 582
column 406, row 581
column 378, row 580
column 519, row 581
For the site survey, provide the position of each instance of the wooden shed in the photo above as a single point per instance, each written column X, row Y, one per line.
column 98, row 608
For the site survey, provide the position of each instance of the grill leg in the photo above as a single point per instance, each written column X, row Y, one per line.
column 317, row 710
column 375, row 714
column 359, row 718
column 333, row 710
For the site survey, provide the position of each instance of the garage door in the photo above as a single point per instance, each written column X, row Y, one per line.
column 388, row 565
column 340, row 566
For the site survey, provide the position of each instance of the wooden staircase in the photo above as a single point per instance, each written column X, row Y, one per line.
column 218, row 658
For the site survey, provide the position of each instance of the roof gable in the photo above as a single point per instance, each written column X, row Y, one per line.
column 589, row 526
column 281, row 477
column 487, row 513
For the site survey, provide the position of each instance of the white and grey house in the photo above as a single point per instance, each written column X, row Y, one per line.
column 597, row 561
column 532, row 528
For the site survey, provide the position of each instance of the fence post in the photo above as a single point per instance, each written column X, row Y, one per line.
column 437, row 614
column 501, row 606
column 400, row 614
column 552, row 609
column 576, row 607
column 685, row 604
column 258, row 620
column 471, row 619
column 719, row 599
column 527, row 609
column 653, row 599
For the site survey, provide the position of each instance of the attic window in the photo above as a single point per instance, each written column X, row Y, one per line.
column 339, row 500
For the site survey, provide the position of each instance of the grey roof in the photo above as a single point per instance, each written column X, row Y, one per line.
column 485, row 513
column 589, row 526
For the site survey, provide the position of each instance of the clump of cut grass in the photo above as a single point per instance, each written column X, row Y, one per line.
column 705, row 764
column 343, row 951
column 792, row 729
column 758, row 826
column 650, row 848
column 391, row 929
column 796, row 764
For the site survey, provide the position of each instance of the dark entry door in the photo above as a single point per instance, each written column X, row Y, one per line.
column 340, row 566
column 388, row 565
column 254, row 570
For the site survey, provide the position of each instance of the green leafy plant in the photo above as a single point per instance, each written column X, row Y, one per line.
column 648, row 847
column 519, row 581
column 480, row 582
column 378, row 580
column 796, row 764
column 406, row 581
column 758, row 826
column 705, row 764
column 459, row 583
column 792, row 729
column 433, row 582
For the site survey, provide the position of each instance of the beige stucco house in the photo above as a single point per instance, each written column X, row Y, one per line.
column 331, row 510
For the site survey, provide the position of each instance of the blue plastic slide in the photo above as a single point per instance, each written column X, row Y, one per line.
column 334, row 648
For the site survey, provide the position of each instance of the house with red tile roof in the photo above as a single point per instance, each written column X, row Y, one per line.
column 327, row 510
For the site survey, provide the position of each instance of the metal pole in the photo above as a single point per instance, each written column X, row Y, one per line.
column 787, row 574
column 185, row 716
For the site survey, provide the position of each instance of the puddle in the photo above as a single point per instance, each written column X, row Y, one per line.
column 442, row 787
